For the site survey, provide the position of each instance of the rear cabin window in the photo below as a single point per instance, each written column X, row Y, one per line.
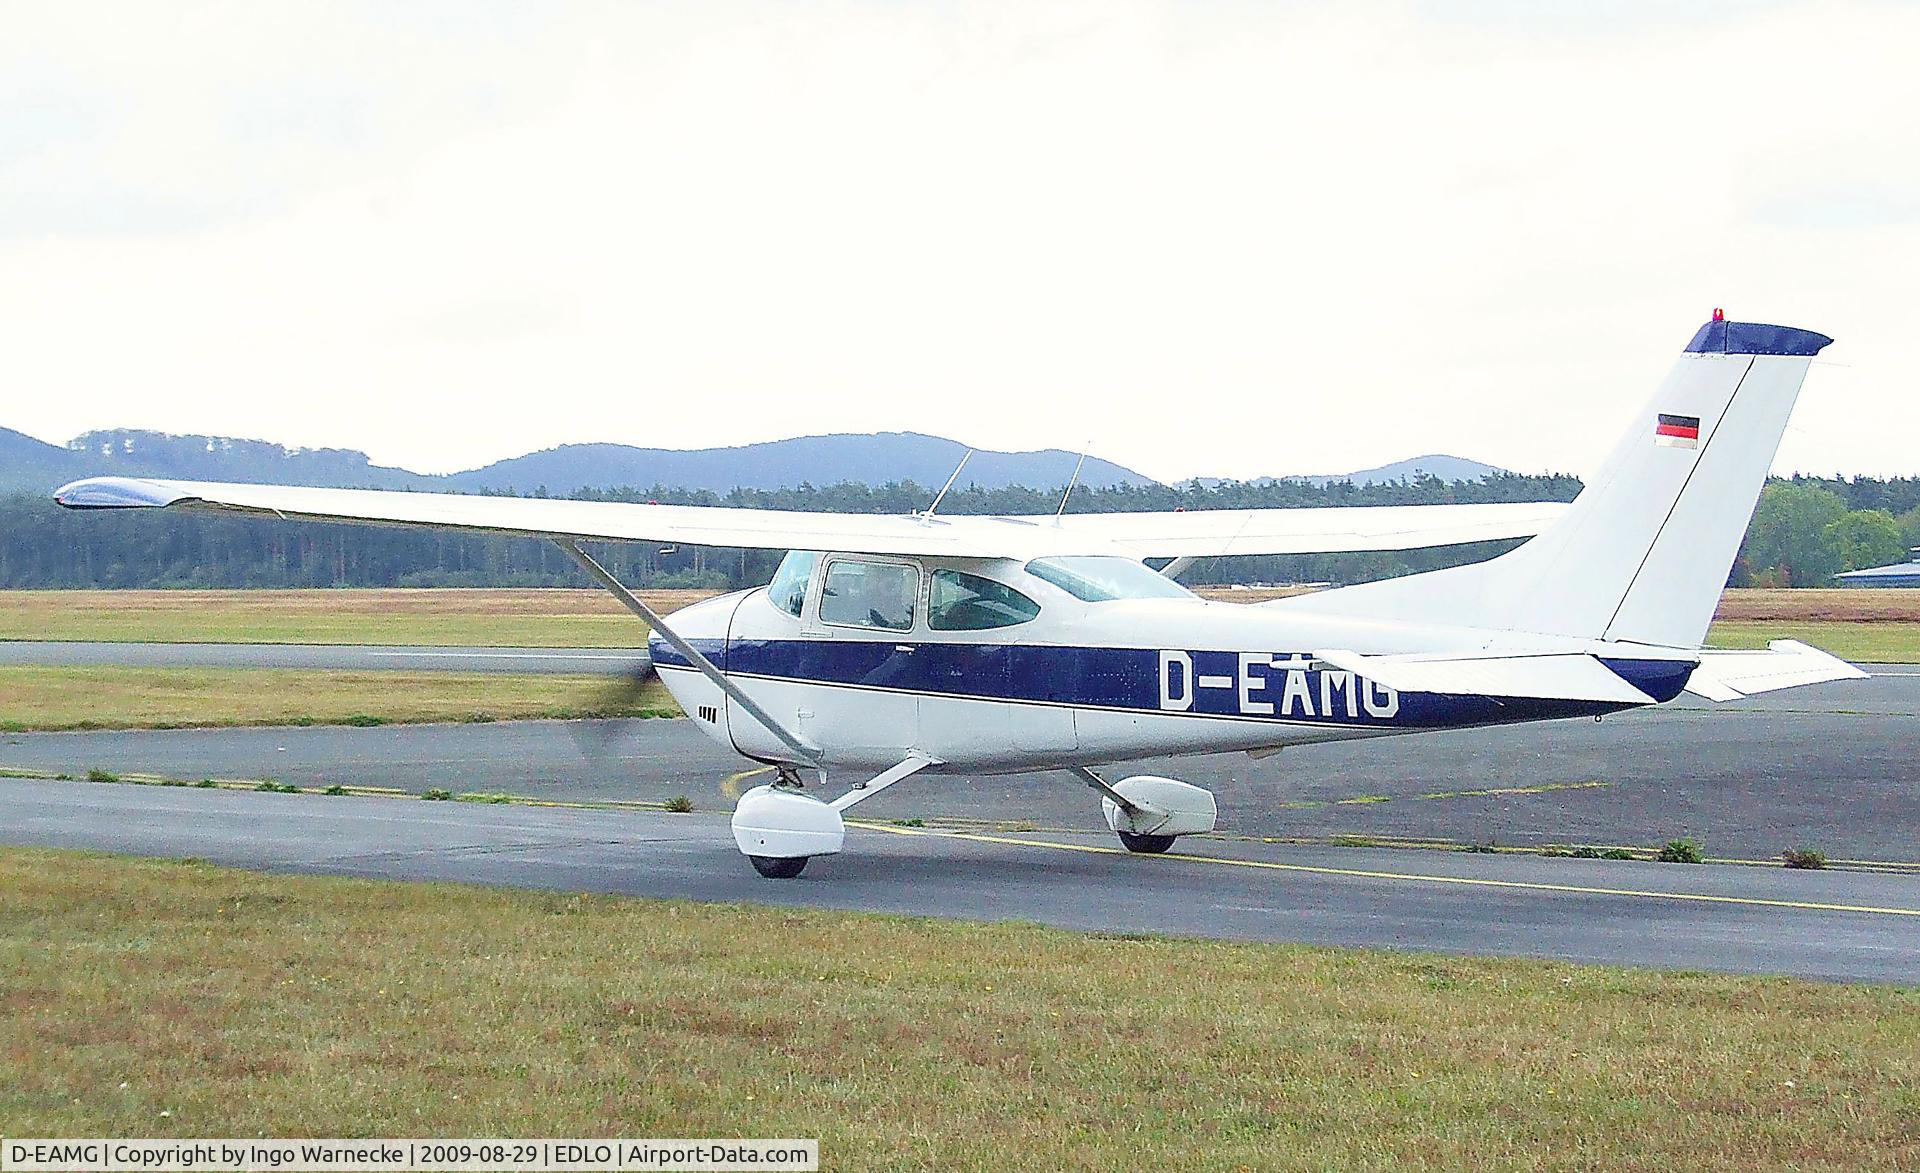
column 788, row 590
column 870, row 594
column 958, row 601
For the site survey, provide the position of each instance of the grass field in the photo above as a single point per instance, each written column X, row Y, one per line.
column 1846, row 606
column 484, row 618
column 590, row 618
column 147, row 998
column 33, row 697
column 1861, row 642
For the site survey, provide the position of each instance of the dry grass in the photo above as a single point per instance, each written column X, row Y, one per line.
column 243, row 1003
column 1840, row 605
column 504, row 618
column 33, row 697
column 1250, row 594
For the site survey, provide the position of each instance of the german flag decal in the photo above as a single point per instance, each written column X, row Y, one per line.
column 1677, row 431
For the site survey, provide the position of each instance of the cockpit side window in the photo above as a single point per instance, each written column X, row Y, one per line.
column 788, row 590
column 870, row 594
column 958, row 601
column 1102, row 578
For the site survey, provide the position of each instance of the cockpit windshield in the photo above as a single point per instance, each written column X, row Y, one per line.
column 788, row 590
column 1102, row 578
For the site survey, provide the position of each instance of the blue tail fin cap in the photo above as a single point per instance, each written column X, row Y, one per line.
column 1755, row 338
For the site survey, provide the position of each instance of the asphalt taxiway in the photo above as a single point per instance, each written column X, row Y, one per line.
column 1832, row 925
column 1833, row 767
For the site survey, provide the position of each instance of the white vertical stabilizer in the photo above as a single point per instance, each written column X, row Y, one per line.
column 1643, row 553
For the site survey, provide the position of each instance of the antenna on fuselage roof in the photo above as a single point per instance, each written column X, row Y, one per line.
column 941, row 495
column 1072, row 481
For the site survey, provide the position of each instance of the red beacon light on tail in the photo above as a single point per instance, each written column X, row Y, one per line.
column 1719, row 315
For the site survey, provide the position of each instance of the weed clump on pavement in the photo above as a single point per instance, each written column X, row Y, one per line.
column 1683, row 850
column 1588, row 852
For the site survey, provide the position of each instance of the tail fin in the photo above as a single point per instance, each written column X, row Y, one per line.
column 1643, row 553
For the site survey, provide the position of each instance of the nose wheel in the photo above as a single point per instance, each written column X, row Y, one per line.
column 1145, row 844
column 787, row 867
column 779, row 827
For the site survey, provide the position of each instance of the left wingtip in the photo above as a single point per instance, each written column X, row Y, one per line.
column 114, row 493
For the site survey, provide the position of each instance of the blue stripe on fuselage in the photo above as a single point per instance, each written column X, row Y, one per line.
column 1218, row 684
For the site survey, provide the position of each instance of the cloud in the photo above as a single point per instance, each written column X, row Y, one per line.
column 1219, row 239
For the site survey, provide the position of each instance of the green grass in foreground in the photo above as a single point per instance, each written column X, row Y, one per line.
column 1865, row 643
column 35, row 697
column 242, row 1003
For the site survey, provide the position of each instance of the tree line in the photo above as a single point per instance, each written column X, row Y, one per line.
column 1808, row 529
column 1804, row 531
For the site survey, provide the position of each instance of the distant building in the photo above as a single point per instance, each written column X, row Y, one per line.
column 1900, row 574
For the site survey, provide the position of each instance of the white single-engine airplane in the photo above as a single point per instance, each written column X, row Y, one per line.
column 891, row 646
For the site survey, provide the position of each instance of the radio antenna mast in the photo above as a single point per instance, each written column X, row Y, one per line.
column 1072, row 481
column 941, row 495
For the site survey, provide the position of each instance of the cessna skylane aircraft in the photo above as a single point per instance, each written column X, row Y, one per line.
column 887, row 647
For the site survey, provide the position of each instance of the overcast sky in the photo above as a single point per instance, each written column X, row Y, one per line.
column 1229, row 239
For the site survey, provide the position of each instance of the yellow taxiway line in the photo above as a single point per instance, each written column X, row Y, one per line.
column 1417, row 877
column 730, row 785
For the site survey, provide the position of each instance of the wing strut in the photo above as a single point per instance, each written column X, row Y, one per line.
column 1098, row 783
column 808, row 753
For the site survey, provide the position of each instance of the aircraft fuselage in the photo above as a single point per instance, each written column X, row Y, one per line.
column 1082, row 683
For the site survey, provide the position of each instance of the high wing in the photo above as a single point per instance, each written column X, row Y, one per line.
column 1213, row 532
column 1199, row 533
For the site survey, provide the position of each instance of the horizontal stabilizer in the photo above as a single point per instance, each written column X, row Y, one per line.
column 1567, row 677
column 1787, row 663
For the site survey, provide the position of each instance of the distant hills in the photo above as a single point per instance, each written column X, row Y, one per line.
column 27, row 463
column 877, row 459
column 31, row 465
column 1445, row 468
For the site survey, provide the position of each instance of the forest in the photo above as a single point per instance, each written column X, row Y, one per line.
column 1805, row 530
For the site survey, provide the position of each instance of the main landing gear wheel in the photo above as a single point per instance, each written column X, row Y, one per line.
column 787, row 867
column 1145, row 844
column 1149, row 813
